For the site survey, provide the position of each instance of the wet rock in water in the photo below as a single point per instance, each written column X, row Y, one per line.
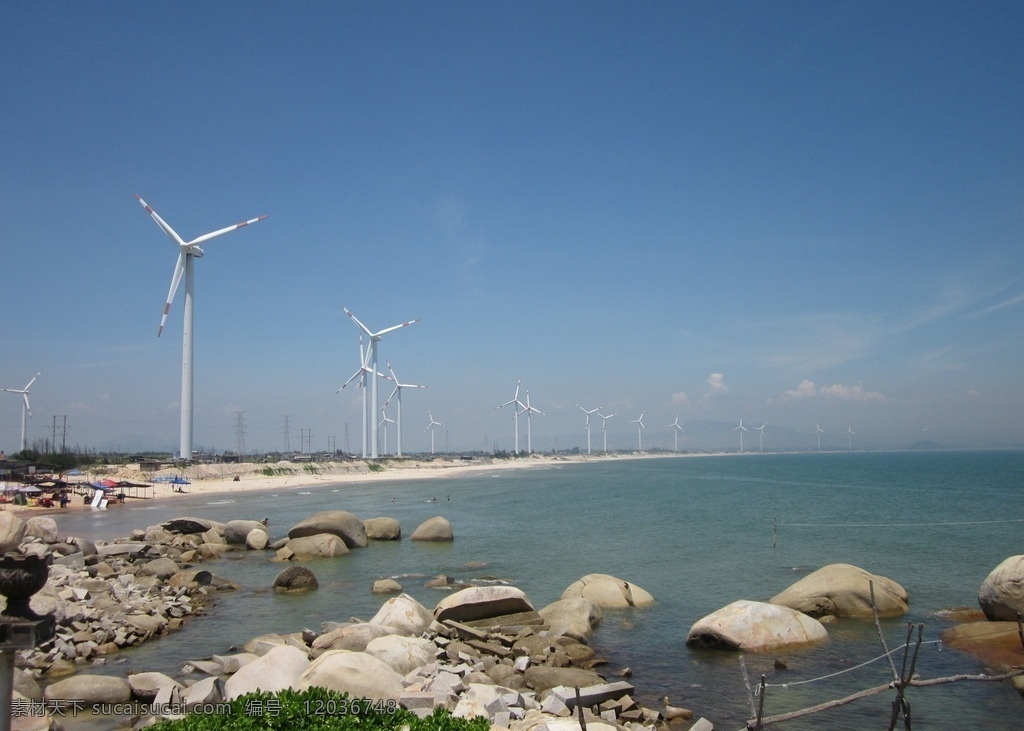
column 190, row 525
column 383, row 529
column 256, row 539
column 340, row 523
column 1001, row 594
column 322, row 545
column 576, row 617
column 386, row 586
column 843, row 590
column 434, row 529
column 482, row 602
column 296, row 579
column 755, row 626
column 236, row 531
column 608, row 592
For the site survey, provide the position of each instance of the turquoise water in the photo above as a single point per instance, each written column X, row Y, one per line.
column 697, row 533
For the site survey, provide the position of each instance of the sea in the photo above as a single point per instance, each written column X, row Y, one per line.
column 697, row 532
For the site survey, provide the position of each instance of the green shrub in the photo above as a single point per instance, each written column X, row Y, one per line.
column 374, row 467
column 316, row 709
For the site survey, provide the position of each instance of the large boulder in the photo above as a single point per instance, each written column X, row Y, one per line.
column 482, row 602
column 280, row 668
column 383, row 529
column 146, row 686
column 402, row 654
column 321, row 545
column 296, row 579
column 356, row 673
column 755, row 626
column 842, row 590
column 338, row 522
column 435, row 529
column 191, row 525
column 43, row 527
column 89, row 689
column 12, row 530
column 576, row 617
column 545, row 677
column 162, row 568
column 404, row 614
column 352, row 637
column 1001, row 594
column 236, row 531
column 608, row 592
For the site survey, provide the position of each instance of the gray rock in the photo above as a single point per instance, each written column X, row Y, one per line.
column 340, row 523
column 404, row 615
column 576, row 617
column 43, row 527
column 257, row 539
column 842, row 590
column 296, row 579
column 402, row 654
column 236, row 531
column 162, row 568
column 89, row 689
column 434, row 529
column 356, row 673
column 482, row 602
column 385, row 586
column 12, row 530
column 608, row 592
column 190, row 525
column 543, row 677
column 146, row 686
column 755, row 626
column 279, row 668
column 320, row 545
column 1001, row 594
column 352, row 637
column 383, row 529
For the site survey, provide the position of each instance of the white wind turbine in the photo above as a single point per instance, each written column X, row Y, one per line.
column 819, row 431
column 849, row 437
column 676, row 427
column 361, row 374
column 430, row 428
column 515, row 403
column 529, row 411
column 588, row 413
column 604, row 429
column 384, row 421
column 188, row 252
column 741, row 429
column 760, row 437
column 398, row 390
column 640, row 429
column 371, row 363
column 26, row 409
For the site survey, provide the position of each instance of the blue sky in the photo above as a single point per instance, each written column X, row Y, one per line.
column 793, row 213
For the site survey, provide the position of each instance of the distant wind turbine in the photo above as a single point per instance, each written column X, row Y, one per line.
column 819, row 431
column 188, row 252
column 530, row 411
column 849, row 437
column 371, row 362
column 604, row 429
column 760, row 438
column 515, row 403
column 640, row 429
column 398, row 390
column 361, row 374
column 430, row 428
column 677, row 428
column 26, row 409
column 384, row 421
column 741, row 429
column 588, row 413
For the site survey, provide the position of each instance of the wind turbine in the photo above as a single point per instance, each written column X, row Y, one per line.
column 604, row 429
column 384, row 421
column 398, row 390
column 588, row 413
column 430, row 428
column 760, row 438
column 849, row 437
column 819, row 431
column 529, row 411
column 371, row 362
column 741, row 429
column 678, row 428
column 361, row 374
column 515, row 403
column 188, row 252
column 640, row 429
column 26, row 410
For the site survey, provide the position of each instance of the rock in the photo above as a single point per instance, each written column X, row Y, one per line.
column 89, row 689
column 576, row 617
column 190, row 525
column 145, row 686
column 12, row 530
column 321, row 545
column 340, row 523
column 296, row 579
column 263, row 644
column 190, row 577
column 356, row 673
column 402, row 654
column 608, row 592
column 842, row 590
column 279, row 668
column 43, row 527
column 755, row 626
column 385, row 586
column 352, row 637
column 434, row 529
column 162, row 568
column 382, row 529
column 1001, row 594
column 482, row 602
column 256, row 539
column 404, row 615
column 996, row 644
column 236, row 531
column 543, row 677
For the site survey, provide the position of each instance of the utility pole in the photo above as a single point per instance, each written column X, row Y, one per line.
column 240, row 433
column 287, row 436
column 305, row 441
column 346, row 438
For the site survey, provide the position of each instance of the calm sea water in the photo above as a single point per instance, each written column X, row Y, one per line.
column 697, row 533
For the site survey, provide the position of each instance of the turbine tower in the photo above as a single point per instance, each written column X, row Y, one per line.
column 26, row 410
column 640, row 429
column 849, row 437
column 398, row 390
column 384, row 421
column 819, row 431
column 760, row 437
column 430, row 428
column 741, row 429
column 588, row 413
column 515, row 403
column 188, row 252
column 604, row 429
column 529, row 411
column 361, row 374
column 676, row 427
column 371, row 363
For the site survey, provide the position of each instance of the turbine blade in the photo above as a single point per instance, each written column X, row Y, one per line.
column 395, row 327
column 33, row 380
column 179, row 269
column 352, row 378
column 28, row 409
column 161, row 223
column 356, row 321
column 215, row 234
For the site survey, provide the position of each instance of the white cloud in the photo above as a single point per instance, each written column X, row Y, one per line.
column 851, row 393
column 804, row 390
column 716, row 384
column 680, row 399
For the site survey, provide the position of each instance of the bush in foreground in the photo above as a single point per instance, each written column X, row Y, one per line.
column 316, row 709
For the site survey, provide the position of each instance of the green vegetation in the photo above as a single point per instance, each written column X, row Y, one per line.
column 316, row 709
column 311, row 469
column 374, row 467
column 274, row 471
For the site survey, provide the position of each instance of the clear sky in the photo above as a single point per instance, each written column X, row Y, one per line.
column 792, row 213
